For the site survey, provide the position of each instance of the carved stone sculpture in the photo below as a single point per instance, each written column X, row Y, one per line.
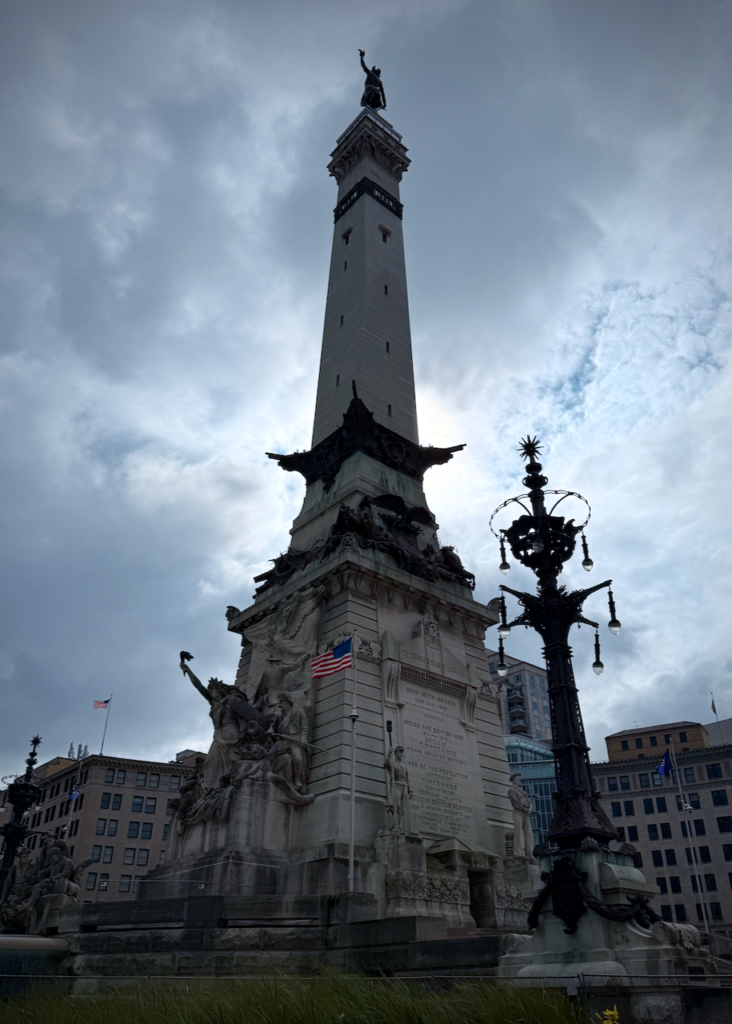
column 230, row 712
column 523, row 836
column 29, row 885
column 399, row 790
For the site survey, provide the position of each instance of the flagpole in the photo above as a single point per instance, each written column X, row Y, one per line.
column 354, row 718
column 106, row 723
column 694, row 858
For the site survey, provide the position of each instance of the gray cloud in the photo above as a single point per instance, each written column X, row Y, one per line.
column 165, row 223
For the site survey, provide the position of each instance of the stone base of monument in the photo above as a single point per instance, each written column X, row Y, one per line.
column 647, row 965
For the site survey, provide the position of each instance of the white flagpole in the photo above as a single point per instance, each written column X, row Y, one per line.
column 695, row 862
column 354, row 718
column 106, row 723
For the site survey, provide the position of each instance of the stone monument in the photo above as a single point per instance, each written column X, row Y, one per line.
column 270, row 813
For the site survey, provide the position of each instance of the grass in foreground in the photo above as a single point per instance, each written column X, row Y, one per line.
column 331, row 999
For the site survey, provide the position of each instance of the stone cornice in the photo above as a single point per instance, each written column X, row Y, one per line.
column 369, row 136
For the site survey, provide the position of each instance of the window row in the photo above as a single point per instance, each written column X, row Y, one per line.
column 715, row 911
column 652, row 741
column 63, row 787
column 150, row 803
column 142, row 779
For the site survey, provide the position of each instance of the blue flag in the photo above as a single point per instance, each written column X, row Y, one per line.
column 74, row 794
column 665, row 767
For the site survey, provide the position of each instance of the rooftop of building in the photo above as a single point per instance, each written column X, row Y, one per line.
column 639, row 764
column 651, row 728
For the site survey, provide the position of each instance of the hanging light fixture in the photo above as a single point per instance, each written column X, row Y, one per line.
column 504, row 566
column 613, row 625
column 587, row 562
column 597, row 665
column 503, row 627
column 502, row 667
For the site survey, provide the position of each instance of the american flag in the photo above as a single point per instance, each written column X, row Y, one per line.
column 101, row 703
column 332, row 661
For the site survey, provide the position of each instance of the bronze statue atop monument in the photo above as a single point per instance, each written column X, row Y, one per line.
column 373, row 93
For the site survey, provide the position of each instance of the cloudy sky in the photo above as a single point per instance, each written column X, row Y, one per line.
column 165, row 227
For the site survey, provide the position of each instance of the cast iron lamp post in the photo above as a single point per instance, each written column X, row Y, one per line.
column 22, row 794
column 543, row 542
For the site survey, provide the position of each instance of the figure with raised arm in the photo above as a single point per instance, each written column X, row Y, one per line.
column 373, row 93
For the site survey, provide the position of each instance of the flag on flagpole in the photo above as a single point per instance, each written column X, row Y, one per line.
column 714, row 707
column 74, row 794
column 665, row 767
column 101, row 703
column 332, row 661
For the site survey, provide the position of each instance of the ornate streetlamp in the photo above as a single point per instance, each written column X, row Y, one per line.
column 22, row 794
column 543, row 542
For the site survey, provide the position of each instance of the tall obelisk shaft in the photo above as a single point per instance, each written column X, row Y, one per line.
column 366, row 336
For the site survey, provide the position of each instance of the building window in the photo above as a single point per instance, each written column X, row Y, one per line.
column 688, row 856
column 150, row 805
column 384, row 236
column 166, row 831
column 168, row 808
column 117, row 802
column 387, row 348
column 684, row 831
column 129, row 857
column 680, row 911
column 725, row 824
column 141, row 780
column 341, row 319
column 91, row 880
column 174, row 782
column 103, row 881
column 653, row 741
column 694, row 801
column 716, row 909
column 616, row 809
column 154, row 781
column 682, row 737
column 657, row 779
column 125, row 882
column 667, row 737
column 666, row 913
column 657, row 857
column 108, row 852
column 146, row 832
column 639, row 743
column 102, row 825
column 694, row 885
column 699, row 912
column 648, row 806
column 137, row 805
column 729, row 876
column 386, row 289
column 346, row 236
column 714, row 771
column 661, row 804
column 625, row 782
column 675, row 882
column 142, row 857
column 711, row 883
column 629, row 808
column 133, row 830
column 390, row 410
column 624, row 745
column 719, row 798
column 106, row 798
column 161, row 858
column 665, row 830
column 671, row 858
column 112, row 827
column 638, row 861
column 109, row 777
column 632, row 833
column 704, row 855
column 612, row 784
column 345, row 264
column 727, row 851
column 645, row 782
column 621, row 834
column 661, row 883
column 689, row 775
column 653, row 833
column 96, row 853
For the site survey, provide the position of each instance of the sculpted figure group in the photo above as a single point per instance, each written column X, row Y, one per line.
column 52, row 874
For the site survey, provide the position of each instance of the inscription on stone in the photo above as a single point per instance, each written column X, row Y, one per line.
column 435, row 743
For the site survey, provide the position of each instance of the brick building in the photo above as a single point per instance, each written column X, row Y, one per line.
column 121, row 817
column 684, row 840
